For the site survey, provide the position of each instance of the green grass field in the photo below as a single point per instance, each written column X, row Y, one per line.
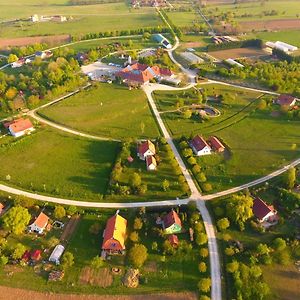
column 108, row 110
column 86, row 18
column 258, row 143
column 287, row 9
column 55, row 163
column 184, row 19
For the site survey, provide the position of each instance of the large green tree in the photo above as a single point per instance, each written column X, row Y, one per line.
column 137, row 255
column 16, row 219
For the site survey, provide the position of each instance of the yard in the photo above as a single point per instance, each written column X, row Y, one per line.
column 111, row 111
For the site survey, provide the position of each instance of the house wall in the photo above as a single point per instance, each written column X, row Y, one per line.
column 33, row 227
column 204, row 151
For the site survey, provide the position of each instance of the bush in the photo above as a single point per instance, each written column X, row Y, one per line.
column 201, row 239
column 187, row 152
column 196, row 169
column 134, row 237
column 59, row 212
column 183, row 145
column 192, row 161
column 201, row 177
column 138, row 224
column 97, row 262
column 202, row 267
column 206, row 187
column 203, row 252
column 198, row 227
column 204, row 285
column 137, row 255
column 223, row 224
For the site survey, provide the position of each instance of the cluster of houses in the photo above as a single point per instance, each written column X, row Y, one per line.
column 288, row 101
column 287, row 48
column 146, row 151
column 151, row 3
column 19, row 127
column 26, row 60
column 114, row 234
column 202, row 147
column 139, row 74
column 223, row 39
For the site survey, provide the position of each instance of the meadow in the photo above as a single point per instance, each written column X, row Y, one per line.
column 106, row 110
column 184, row 19
column 257, row 142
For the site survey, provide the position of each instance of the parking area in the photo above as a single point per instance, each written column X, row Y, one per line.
column 100, row 71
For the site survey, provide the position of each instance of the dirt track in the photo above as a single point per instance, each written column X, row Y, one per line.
column 7, row 293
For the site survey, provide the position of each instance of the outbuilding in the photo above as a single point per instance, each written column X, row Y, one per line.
column 56, row 254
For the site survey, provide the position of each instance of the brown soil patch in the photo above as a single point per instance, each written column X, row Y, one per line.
column 70, row 228
column 271, row 24
column 193, row 44
column 50, row 40
column 237, row 53
column 7, row 293
column 101, row 277
column 151, row 266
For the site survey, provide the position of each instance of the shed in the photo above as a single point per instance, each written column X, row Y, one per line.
column 56, row 254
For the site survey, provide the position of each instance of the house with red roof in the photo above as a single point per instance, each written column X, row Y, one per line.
column 114, row 235
column 216, row 145
column 1, row 208
column 145, row 149
column 172, row 223
column 173, row 239
column 36, row 255
column 151, row 163
column 200, row 146
column 19, row 127
column 39, row 224
column 264, row 212
column 286, row 100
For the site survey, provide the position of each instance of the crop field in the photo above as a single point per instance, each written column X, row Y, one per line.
column 108, row 110
column 55, row 163
column 184, row 19
column 258, row 142
column 237, row 53
column 85, row 19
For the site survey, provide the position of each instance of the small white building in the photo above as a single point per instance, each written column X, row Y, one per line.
column 146, row 149
column 151, row 163
column 233, row 63
column 39, row 224
column 56, row 254
column 200, row 146
column 191, row 58
column 282, row 46
column 34, row 18
column 162, row 40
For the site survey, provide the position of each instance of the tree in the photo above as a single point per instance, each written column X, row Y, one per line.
column 187, row 152
column 229, row 251
column 59, row 212
column 279, row 244
column 289, row 178
column 204, row 285
column 201, row 177
column 137, row 255
column 97, row 262
column 16, row 219
column 203, row 252
column 52, row 242
column 138, row 224
column 3, row 260
column 168, row 248
column 232, row 267
column 135, row 180
column 134, row 237
column 202, row 267
column 165, row 185
column 223, row 224
column 24, row 201
column 192, row 161
column 71, row 210
column 12, row 58
column 195, row 216
column 239, row 209
column 33, row 100
column 201, row 239
column 18, row 252
column 263, row 249
column 67, row 260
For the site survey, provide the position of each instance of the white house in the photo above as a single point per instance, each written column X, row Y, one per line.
column 39, row 224
column 151, row 163
column 264, row 212
column 145, row 149
column 56, row 254
column 19, row 127
column 200, row 146
column 162, row 40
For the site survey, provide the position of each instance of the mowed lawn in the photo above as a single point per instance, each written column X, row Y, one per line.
column 85, row 18
column 257, row 142
column 184, row 19
column 108, row 110
column 58, row 164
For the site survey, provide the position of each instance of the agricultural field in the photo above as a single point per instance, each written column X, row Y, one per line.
column 184, row 19
column 238, row 53
column 85, row 19
column 52, row 162
column 111, row 111
column 258, row 141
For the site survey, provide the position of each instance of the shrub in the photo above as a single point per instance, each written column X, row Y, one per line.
column 223, row 224
column 206, row 187
column 201, row 177
column 138, row 224
column 203, row 252
column 192, row 161
column 204, row 285
column 201, row 239
column 59, row 212
column 183, row 145
column 187, row 152
column 134, row 237
column 196, row 169
column 97, row 262
column 202, row 267
column 137, row 255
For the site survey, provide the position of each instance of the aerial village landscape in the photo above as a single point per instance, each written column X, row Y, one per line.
column 150, row 149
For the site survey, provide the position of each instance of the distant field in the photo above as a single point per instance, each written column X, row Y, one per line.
column 184, row 19
column 237, row 53
column 59, row 164
column 86, row 18
column 109, row 110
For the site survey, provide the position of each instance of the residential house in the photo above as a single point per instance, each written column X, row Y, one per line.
column 44, row 54
column 286, row 100
column 159, row 38
column 173, row 239
column 200, row 146
column 36, row 255
column 19, row 63
column 1, row 208
column 56, row 254
column 19, row 127
column 145, row 149
column 172, row 223
column 264, row 212
column 216, row 145
column 151, row 163
column 114, row 235
column 39, row 224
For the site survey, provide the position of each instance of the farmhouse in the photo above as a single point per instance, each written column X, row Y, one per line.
column 39, row 224
column 216, row 145
column 139, row 74
column 263, row 212
column 286, row 100
column 192, row 58
column 145, row 149
column 19, row 127
column 172, row 223
column 151, row 163
column 44, row 54
column 114, row 235
column 19, row 63
column 200, row 146
column 56, row 254
column 162, row 40
column 151, row 3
